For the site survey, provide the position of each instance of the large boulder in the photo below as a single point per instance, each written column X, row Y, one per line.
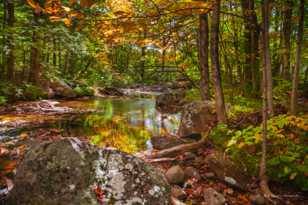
column 61, row 89
column 70, row 172
column 170, row 101
column 197, row 117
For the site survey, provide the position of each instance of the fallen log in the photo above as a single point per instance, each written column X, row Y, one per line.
column 179, row 149
column 166, row 159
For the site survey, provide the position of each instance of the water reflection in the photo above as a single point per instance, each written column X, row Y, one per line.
column 124, row 123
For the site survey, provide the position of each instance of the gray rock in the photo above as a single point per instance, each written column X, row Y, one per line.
column 170, row 101
column 62, row 89
column 175, row 175
column 197, row 117
column 257, row 199
column 67, row 172
column 50, row 93
column 191, row 172
column 212, row 197
column 178, row 193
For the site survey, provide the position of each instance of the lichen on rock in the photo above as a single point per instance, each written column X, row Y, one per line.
column 69, row 171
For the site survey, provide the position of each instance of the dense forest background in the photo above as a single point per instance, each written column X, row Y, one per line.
column 244, row 55
column 125, row 42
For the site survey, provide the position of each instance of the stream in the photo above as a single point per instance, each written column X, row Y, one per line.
column 124, row 123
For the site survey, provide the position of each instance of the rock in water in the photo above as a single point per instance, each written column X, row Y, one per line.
column 170, row 101
column 70, row 172
column 197, row 117
column 62, row 89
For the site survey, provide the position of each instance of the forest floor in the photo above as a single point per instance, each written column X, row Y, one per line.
column 204, row 177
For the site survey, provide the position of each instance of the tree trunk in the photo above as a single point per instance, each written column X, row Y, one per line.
column 266, row 65
column 251, row 68
column 66, row 63
column 163, row 56
column 60, row 56
column 35, row 69
column 287, row 17
column 219, row 98
column 142, row 60
column 299, row 41
column 204, row 56
column 9, row 39
column 306, row 75
column 54, row 54
column 266, row 54
column 24, row 64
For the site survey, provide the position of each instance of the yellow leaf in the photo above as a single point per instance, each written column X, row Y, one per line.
column 241, row 144
column 33, row 4
column 55, row 18
column 67, row 21
column 292, row 176
column 67, row 9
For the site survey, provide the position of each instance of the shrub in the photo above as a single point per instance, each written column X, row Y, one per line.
column 287, row 155
column 9, row 90
column 281, row 91
column 32, row 92
column 84, row 91
column 243, row 105
column 193, row 95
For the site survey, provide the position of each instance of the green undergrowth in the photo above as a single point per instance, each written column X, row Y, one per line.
column 10, row 92
column 239, row 105
column 192, row 95
column 287, row 148
column 32, row 92
column 83, row 91
column 3, row 100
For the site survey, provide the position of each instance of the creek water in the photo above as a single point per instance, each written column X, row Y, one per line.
column 124, row 123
